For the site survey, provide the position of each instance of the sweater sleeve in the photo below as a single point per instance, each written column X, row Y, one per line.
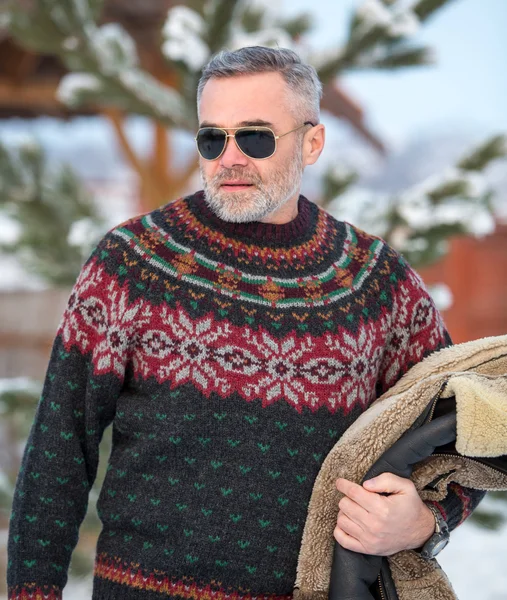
column 417, row 331
column 59, row 465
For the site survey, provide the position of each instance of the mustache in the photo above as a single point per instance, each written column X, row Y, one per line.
column 228, row 174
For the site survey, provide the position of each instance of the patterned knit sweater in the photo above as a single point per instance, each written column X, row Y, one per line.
column 229, row 359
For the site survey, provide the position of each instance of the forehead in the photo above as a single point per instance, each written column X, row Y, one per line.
column 231, row 100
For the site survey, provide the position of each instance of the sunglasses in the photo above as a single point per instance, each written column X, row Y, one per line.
column 254, row 142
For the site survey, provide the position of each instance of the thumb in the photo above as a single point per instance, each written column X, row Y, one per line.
column 387, row 483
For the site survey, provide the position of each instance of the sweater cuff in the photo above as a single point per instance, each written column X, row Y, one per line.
column 458, row 505
column 35, row 592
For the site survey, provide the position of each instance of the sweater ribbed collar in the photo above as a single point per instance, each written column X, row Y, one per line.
column 286, row 234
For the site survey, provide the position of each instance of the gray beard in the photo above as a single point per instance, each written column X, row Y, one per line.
column 257, row 203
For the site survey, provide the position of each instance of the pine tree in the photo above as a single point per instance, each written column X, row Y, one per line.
column 104, row 70
column 420, row 221
column 57, row 219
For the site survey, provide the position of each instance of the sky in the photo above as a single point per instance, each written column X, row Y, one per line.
column 467, row 88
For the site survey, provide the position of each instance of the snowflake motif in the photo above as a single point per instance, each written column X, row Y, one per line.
column 322, row 370
column 89, row 279
column 117, row 322
column 335, row 371
column 156, row 343
column 109, row 326
column 362, row 357
column 422, row 316
column 191, row 343
column 281, row 358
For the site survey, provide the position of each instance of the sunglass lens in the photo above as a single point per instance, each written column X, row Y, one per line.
column 210, row 142
column 256, row 143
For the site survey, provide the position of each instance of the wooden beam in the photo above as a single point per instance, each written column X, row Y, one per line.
column 151, row 194
column 39, row 95
column 161, row 154
column 30, row 95
column 17, row 63
column 26, row 341
column 117, row 121
column 339, row 104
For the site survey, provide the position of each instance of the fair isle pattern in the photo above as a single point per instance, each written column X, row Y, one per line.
column 467, row 508
column 187, row 217
column 131, row 575
column 333, row 370
column 226, row 384
column 272, row 291
column 37, row 593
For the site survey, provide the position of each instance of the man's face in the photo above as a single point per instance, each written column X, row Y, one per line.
column 239, row 188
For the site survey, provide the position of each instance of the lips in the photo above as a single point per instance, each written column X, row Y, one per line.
column 236, row 184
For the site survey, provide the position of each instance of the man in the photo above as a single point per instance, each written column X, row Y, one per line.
column 230, row 337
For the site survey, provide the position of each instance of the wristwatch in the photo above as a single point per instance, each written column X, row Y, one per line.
column 439, row 540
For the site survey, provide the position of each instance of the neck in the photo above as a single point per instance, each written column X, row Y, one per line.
column 285, row 214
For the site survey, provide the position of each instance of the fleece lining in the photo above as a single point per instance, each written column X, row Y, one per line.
column 476, row 374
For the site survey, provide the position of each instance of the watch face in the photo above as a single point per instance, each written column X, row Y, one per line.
column 440, row 545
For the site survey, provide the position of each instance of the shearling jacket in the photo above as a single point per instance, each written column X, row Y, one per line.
column 475, row 374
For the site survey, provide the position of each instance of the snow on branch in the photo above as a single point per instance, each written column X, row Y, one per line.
column 399, row 22
column 419, row 221
column 74, row 86
column 114, row 48
column 183, row 34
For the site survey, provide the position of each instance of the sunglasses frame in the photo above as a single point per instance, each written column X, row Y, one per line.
column 247, row 128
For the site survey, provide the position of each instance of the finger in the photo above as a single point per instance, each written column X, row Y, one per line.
column 388, row 483
column 347, row 541
column 367, row 500
column 354, row 511
column 349, row 527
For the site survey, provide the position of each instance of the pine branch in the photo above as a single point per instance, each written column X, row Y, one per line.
column 333, row 66
column 404, row 57
column 489, row 151
column 487, row 520
column 46, row 205
column 297, row 26
column 419, row 221
column 337, row 180
column 220, row 23
column 252, row 19
column 34, row 29
column 108, row 53
column 378, row 36
column 426, row 8
column 458, row 187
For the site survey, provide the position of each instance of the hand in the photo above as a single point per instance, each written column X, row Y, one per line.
column 371, row 523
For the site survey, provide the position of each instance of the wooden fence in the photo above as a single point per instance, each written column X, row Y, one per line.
column 28, row 323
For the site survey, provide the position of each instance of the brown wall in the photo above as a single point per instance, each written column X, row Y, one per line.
column 476, row 272
column 28, row 324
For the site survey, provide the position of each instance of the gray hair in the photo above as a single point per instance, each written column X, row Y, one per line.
column 302, row 79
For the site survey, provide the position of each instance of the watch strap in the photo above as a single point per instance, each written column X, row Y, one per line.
column 440, row 537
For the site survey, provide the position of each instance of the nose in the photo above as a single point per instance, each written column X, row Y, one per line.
column 232, row 155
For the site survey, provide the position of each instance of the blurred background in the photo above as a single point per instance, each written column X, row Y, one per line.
column 97, row 117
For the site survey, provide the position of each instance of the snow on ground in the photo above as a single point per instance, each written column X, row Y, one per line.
column 474, row 561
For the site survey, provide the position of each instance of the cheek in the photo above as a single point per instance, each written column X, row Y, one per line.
column 208, row 168
column 268, row 169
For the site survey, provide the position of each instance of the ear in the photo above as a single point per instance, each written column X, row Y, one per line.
column 313, row 144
